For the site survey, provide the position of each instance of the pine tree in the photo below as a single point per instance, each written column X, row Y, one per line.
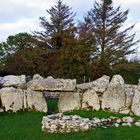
column 114, row 43
column 59, row 26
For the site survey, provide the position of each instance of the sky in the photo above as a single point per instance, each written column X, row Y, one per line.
column 23, row 15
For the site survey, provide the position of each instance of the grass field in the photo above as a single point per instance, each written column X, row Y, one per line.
column 27, row 126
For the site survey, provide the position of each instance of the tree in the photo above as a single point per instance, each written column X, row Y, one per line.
column 112, row 40
column 22, row 54
column 65, row 56
column 59, row 27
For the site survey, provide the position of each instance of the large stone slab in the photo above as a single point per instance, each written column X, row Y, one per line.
column 51, row 84
column 136, row 103
column 90, row 100
column 114, row 97
column 99, row 85
column 15, row 81
column 12, row 99
column 69, row 101
column 34, row 100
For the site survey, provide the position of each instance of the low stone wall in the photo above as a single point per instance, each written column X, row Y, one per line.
column 60, row 123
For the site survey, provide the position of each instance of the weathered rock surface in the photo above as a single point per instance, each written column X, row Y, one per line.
column 130, row 92
column 34, row 100
column 99, row 85
column 136, row 103
column 15, row 81
column 114, row 97
column 14, row 100
column 69, row 101
column 1, row 81
column 51, row 84
column 37, row 76
column 139, row 84
column 90, row 100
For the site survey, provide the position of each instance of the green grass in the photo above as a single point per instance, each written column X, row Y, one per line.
column 27, row 126
column 52, row 106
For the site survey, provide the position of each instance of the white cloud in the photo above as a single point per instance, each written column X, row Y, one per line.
column 23, row 25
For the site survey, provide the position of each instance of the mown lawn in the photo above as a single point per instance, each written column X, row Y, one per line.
column 27, row 126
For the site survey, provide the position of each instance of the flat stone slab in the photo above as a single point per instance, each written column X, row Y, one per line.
column 15, row 81
column 51, row 84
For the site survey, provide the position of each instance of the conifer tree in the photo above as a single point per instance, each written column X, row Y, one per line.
column 113, row 40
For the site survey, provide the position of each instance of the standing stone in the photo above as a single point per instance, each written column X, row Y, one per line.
column 136, row 103
column 90, row 100
column 51, row 84
column 34, row 100
column 12, row 99
column 114, row 97
column 68, row 101
column 130, row 92
column 15, row 81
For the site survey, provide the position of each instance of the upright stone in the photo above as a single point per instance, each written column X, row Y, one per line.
column 114, row 97
column 90, row 100
column 130, row 92
column 136, row 103
column 69, row 101
column 34, row 100
column 12, row 99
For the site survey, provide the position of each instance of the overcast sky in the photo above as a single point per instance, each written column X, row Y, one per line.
column 23, row 15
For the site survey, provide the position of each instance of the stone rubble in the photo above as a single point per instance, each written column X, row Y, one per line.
column 59, row 123
column 72, row 123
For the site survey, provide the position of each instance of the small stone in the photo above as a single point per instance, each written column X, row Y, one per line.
column 137, row 124
column 127, row 119
column 127, row 124
column 116, row 124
